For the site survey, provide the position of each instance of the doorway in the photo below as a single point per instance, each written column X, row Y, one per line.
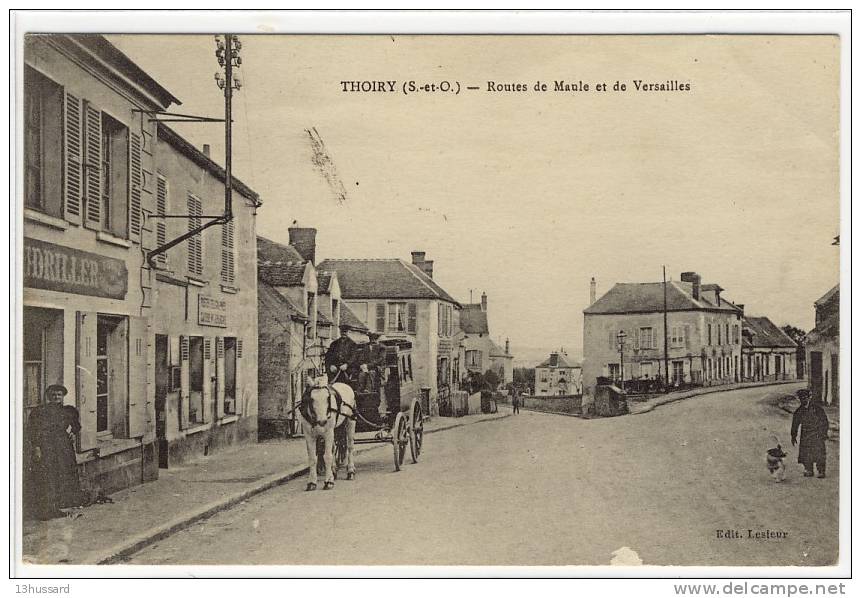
column 162, row 384
column 816, row 375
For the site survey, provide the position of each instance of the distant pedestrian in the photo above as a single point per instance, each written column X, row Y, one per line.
column 51, row 471
column 515, row 402
column 811, row 418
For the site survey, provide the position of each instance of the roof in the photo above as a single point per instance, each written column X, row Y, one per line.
column 281, row 274
column 350, row 320
column 562, row 362
column 102, row 48
column 384, row 279
column 198, row 157
column 827, row 296
column 323, row 319
column 473, row 320
column 271, row 251
column 766, row 334
column 827, row 329
column 267, row 297
column 497, row 351
column 641, row 297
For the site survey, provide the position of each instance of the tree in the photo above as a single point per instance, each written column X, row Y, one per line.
column 796, row 334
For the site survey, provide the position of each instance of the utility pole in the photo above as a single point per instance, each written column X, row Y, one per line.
column 228, row 127
column 666, row 341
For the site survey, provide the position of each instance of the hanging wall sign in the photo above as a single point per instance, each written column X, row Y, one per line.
column 67, row 270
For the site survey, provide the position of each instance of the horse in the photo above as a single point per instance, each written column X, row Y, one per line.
column 325, row 409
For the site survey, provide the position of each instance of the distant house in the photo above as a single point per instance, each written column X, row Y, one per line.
column 480, row 352
column 397, row 299
column 767, row 352
column 822, row 348
column 558, row 375
column 703, row 334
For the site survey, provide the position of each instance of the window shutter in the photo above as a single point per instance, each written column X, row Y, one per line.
column 195, row 243
column 238, row 381
column 381, row 317
column 138, row 389
column 74, row 143
column 654, row 338
column 207, row 380
column 85, row 378
column 219, row 377
column 227, row 265
column 93, row 166
column 184, row 383
column 161, row 223
column 135, row 187
column 412, row 311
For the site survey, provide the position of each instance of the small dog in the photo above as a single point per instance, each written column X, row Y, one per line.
column 774, row 461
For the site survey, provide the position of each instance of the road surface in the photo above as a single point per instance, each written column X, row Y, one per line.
column 540, row 489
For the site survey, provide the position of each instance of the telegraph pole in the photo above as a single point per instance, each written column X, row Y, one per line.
column 666, row 343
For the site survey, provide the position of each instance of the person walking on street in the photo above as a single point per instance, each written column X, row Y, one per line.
column 814, row 432
column 515, row 401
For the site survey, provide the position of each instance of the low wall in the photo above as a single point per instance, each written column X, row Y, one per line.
column 558, row 404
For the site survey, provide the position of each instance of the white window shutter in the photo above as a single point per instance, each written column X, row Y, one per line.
column 207, row 379
column 135, row 187
column 184, row 383
column 85, row 377
column 219, row 377
column 240, row 389
column 73, row 184
column 93, row 165
column 161, row 223
column 138, row 389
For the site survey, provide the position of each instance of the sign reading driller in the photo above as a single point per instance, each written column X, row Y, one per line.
column 58, row 268
column 211, row 312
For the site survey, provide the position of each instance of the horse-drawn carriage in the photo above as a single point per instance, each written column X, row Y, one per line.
column 365, row 395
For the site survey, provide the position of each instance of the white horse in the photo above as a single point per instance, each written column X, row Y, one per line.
column 324, row 409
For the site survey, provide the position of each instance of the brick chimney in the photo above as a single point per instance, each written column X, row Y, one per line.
column 206, row 149
column 694, row 279
column 304, row 240
column 484, row 301
column 593, row 286
column 424, row 265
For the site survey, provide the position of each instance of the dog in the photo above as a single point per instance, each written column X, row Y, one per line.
column 774, row 461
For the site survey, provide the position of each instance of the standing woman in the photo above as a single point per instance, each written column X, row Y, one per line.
column 51, row 471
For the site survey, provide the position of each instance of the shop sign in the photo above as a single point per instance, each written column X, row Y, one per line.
column 67, row 270
column 211, row 312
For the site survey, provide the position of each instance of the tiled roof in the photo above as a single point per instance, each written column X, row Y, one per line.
column 766, row 334
column 323, row 319
column 384, row 279
column 350, row 320
column 562, row 362
column 827, row 296
column 640, row 297
column 270, row 251
column 267, row 297
column 473, row 320
column 828, row 329
column 281, row 274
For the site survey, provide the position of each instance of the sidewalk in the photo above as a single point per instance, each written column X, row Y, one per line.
column 139, row 516
column 636, row 408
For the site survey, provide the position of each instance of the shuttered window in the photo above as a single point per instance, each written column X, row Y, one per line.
column 195, row 243
column 135, row 178
column 381, row 317
column 161, row 199
column 227, row 253
column 73, row 191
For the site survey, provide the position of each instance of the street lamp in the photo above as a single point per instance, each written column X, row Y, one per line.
column 621, row 338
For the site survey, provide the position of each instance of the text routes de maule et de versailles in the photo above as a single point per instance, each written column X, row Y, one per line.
column 446, row 86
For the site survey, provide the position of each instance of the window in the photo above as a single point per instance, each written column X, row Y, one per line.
column 397, row 317
column 42, row 352
column 195, row 243
column 677, row 336
column 614, row 371
column 719, row 335
column 227, row 253
column 679, row 372
column 229, row 357
column 727, row 333
column 195, row 380
column 111, row 376
column 43, row 143
column 646, row 369
column 473, row 358
column 647, row 338
column 444, row 319
column 710, row 336
column 114, row 183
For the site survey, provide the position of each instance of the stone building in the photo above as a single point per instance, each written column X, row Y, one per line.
column 768, row 354
column 397, row 299
column 204, row 307
column 558, row 375
column 703, row 334
column 89, row 183
column 822, row 348
column 481, row 353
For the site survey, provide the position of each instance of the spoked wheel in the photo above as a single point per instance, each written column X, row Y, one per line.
column 417, row 430
column 400, row 438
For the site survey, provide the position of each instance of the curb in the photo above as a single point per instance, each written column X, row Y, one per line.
column 120, row 552
column 711, row 390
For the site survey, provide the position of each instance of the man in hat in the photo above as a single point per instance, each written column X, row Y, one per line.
column 51, row 471
column 814, row 432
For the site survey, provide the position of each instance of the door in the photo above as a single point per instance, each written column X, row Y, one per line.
column 816, row 375
column 162, row 383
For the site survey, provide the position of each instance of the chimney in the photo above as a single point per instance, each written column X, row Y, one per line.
column 507, row 346
column 424, row 265
column 206, row 149
column 593, row 286
column 694, row 279
column 304, row 240
column 427, row 267
column 483, row 301
column 418, row 257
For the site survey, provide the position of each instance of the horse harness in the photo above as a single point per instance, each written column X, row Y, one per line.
column 306, row 407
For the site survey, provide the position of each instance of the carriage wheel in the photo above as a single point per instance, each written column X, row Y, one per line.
column 400, row 437
column 417, row 430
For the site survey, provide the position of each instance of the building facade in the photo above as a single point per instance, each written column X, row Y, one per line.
column 703, row 334
column 558, row 375
column 400, row 300
column 481, row 353
column 88, row 172
column 822, row 348
column 204, row 322
column 768, row 354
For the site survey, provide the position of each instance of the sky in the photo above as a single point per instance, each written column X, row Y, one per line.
column 527, row 195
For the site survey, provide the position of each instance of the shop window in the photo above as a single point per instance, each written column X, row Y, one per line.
column 195, row 380
column 42, row 353
column 43, row 143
